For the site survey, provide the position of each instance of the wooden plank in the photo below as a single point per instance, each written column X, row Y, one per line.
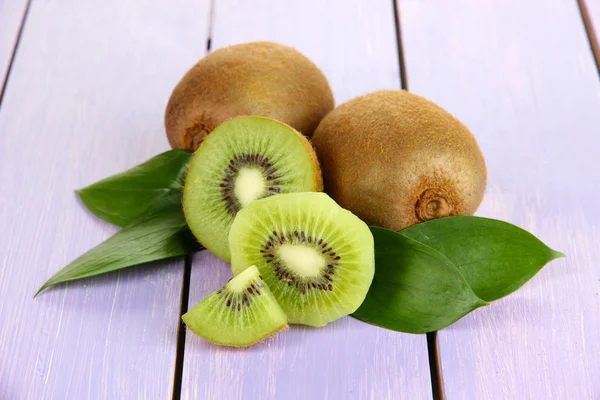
column 11, row 17
column 521, row 75
column 86, row 99
column 354, row 43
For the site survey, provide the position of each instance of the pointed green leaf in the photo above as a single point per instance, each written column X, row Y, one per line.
column 415, row 289
column 495, row 257
column 159, row 234
column 121, row 199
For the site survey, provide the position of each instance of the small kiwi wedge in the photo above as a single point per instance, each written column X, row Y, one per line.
column 259, row 78
column 396, row 159
column 244, row 159
column 317, row 258
column 240, row 314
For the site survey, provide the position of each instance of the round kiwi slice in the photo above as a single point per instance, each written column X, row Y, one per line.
column 240, row 314
column 317, row 258
column 258, row 78
column 244, row 159
column 395, row 159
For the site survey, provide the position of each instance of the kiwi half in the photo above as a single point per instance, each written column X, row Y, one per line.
column 317, row 258
column 244, row 159
column 396, row 159
column 240, row 314
column 258, row 78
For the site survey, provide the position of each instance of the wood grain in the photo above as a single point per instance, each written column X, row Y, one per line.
column 85, row 99
column 354, row 43
column 11, row 17
column 521, row 75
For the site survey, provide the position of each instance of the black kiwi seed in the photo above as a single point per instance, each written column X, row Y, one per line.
column 238, row 300
column 246, row 160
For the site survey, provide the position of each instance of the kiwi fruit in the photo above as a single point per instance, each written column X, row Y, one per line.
column 259, row 78
column 244, row 159
column 396, row 159
column 317, row 258
column 240, row 314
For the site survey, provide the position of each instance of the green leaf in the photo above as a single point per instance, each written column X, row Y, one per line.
column 161, row 233
column 495, row 257
column 415, row 289
column 121, row 199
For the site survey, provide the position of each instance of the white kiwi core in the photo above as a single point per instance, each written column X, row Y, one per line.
column 304, row 261
column 249, row 185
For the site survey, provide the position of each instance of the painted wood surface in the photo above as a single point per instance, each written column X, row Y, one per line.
column 593, row 7
column 85, row 100
column 591, row 13
column 11, row 17
column 521, row 75
column 354, row 42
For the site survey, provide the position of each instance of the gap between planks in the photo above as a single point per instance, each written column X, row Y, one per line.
column 590, row 32
column 14, row 51
column 435, row 370
column 181, row 331
column 185, row 290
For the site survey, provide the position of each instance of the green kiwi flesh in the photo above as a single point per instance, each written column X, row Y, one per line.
column 396, row 159
column 240, row 314
column 317, row 258
column 244, row 159
column 258, row 78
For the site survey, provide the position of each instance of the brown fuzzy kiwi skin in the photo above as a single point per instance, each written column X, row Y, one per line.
column 396, row 159
column 312, row 154
column 257, row 78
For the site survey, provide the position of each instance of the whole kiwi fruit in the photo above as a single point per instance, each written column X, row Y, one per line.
column 259, row 78
column 396, row 159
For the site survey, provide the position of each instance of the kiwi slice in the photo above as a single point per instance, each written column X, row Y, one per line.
column 244, row 159
column 258, row 78
column 240, row 314
column 396, row 159
column 317, row 258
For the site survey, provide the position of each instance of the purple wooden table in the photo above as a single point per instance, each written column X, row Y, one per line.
column 85, row 84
